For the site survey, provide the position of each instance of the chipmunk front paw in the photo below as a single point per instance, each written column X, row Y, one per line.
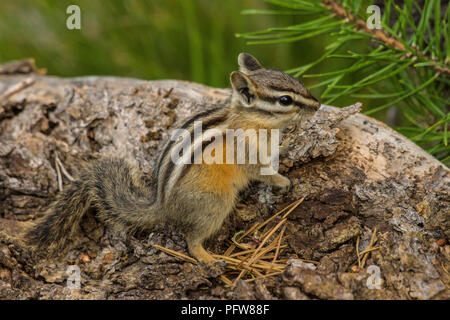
column 282, row 185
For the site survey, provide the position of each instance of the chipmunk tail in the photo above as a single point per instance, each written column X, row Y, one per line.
column 61, row 220
column 113, row 187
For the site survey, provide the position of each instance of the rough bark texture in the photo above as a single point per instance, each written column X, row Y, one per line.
column 355, row 172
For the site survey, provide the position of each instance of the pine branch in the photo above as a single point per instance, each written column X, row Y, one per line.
column 398, row 72
column 389, row 41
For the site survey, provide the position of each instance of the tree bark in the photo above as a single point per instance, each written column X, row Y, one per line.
column 356, row 175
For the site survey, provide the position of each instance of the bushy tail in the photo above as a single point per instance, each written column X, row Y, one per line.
column 113, row 187
column 61, row 220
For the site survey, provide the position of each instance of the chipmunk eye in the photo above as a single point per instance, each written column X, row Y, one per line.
column 285, row 100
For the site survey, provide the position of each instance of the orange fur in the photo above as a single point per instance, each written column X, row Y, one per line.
column 221, row 178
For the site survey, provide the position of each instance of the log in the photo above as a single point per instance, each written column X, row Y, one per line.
column 361, row 181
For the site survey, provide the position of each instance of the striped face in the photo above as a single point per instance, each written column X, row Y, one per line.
column 270, row 93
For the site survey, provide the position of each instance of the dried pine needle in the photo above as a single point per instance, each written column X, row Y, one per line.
column 290, row 208
column 265, row 276
column 237, row 264
column 371, row 243
column 175, row 253
column 236, row 243
column 253, row 261
column 277, row 251
column 255, row 254
column 260, row 262
column 357, row 252
column 369, row 250
column 233, row 246
column 309, row 261
column 226, row 280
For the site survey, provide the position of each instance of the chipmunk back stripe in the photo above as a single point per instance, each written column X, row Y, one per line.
column 173, row 171
column 200, row 116
column 184, row 126
column 209, row 119
column 165, row 158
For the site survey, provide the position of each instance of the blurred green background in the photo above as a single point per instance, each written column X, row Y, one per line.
column 149, row 39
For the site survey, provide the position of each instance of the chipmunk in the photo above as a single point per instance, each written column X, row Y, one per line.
column 195, row 197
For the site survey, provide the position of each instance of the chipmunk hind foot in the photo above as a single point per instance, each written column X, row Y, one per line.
column 197, row 251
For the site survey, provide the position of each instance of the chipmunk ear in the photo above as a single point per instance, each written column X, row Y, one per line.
column 248, row 63
column 243, row 88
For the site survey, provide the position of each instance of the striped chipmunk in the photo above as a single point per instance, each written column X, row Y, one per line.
column 196, row 196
